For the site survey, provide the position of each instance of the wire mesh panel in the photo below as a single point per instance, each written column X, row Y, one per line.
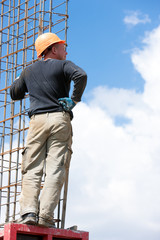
column 21, row 22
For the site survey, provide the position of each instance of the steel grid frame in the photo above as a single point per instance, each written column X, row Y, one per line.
column 21, row 22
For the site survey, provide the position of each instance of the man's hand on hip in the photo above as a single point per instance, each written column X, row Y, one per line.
column 67, row 103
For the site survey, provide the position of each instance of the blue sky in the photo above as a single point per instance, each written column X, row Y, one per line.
column 101, row 43
column 115, row 171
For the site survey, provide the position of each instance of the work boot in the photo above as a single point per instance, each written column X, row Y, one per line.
column 28, row 218
column 43, row 222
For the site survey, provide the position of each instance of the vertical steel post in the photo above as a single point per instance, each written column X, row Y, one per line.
column 11, row 121
column 3, row 127
column 50, row 16
column 19, row 123
column 67, row 172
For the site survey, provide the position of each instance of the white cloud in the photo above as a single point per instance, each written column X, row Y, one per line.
column 147, row 65
column 115, row 171
column 136, row 17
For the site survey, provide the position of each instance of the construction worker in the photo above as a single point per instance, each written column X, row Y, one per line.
column 49, row 136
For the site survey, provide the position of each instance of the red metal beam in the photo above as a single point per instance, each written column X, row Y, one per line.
column 11, row 231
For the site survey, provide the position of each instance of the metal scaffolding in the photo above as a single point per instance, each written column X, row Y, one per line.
column 21, row 22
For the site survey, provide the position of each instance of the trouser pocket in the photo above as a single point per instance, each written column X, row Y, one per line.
column 23, row 165
column 67, row 157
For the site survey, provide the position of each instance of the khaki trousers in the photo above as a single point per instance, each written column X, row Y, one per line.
column 48, row 144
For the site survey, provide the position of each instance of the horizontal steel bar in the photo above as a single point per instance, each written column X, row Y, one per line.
column 12, row 169
column 16, row 51
column 11, row 185
column 12, row 117
column 11, row 151
column 14, row 132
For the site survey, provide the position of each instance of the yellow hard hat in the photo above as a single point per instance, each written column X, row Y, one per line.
column 44, row 41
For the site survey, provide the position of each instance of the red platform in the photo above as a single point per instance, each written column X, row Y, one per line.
column 13, row 231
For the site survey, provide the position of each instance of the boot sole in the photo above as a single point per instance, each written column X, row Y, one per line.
column 27, row 221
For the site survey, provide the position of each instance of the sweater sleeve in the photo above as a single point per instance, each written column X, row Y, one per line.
column 78, row 76
column 18, row 88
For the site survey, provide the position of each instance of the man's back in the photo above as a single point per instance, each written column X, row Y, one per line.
column 46, row 82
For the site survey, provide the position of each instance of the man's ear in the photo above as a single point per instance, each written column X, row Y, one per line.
column 54, row 50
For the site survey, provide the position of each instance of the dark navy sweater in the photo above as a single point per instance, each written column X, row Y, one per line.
column 46, row 82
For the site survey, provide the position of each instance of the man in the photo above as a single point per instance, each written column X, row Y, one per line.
column 49, row 137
